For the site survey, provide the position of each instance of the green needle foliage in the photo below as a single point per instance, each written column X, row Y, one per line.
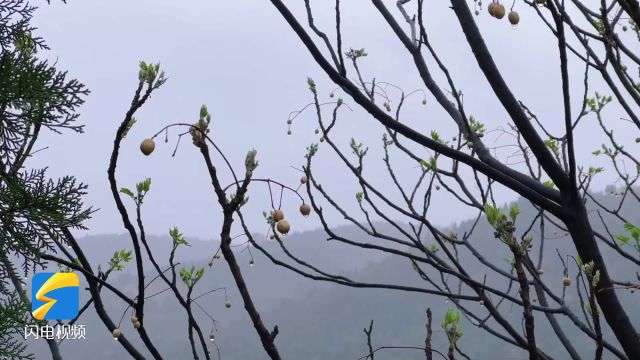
column 13, row 313
column 34, row 97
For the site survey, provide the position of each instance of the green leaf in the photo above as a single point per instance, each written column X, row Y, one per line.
column 119, row 258
column 493, row 214
column 143, row 187
column 451, row 326
column 633, row 230
column 435, row 136
column 358, row 148
column 203, row 111
column 623, row 239
column 451, row 317
column 312, row 85
column 127, row 192
column 476, row 126
column 311, row 150
column 199, row 274
column 433, row 248
column 178, row 238
column 142, row 73
column 354, row 54
column 190, row 276
column 146, row 184
column 185, row 275
column 250, row 161
column 433, row 163
column 552, row 145
column 359, row 196
column 549, row 184
column 595, row 170
column 514, row 211
column 126, row 255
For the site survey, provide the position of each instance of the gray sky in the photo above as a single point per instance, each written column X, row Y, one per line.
column 241, row 59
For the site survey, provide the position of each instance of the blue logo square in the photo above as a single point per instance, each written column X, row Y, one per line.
column 55, row 296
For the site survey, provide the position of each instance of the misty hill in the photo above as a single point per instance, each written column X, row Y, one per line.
column 325, row 321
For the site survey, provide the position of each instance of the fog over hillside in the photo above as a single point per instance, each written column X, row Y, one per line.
column 389, row 132
column 319, row 320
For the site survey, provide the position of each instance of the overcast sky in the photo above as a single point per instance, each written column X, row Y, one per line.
column 241, row 59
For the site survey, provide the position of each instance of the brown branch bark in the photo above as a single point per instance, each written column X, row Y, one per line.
column 527, row 313
column 229, row 207
column 427, row 341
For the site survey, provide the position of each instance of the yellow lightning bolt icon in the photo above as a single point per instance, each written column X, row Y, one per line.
column 56, row 281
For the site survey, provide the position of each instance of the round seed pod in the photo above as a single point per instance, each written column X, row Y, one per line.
column 278, row 215
column 283, row 227
column 147, row 146
column 514, row 17
column 499, row 11
column 491, row 8
column 305, row 209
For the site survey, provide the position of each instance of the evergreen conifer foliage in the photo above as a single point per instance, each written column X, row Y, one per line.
column 35, row 97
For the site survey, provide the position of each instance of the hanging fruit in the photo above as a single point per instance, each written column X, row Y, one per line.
column 499, row 11
column 514, row 17
column 147, row 146
column 283, row 227
column 491, row 8
column 278, row 215
column 305, row 209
